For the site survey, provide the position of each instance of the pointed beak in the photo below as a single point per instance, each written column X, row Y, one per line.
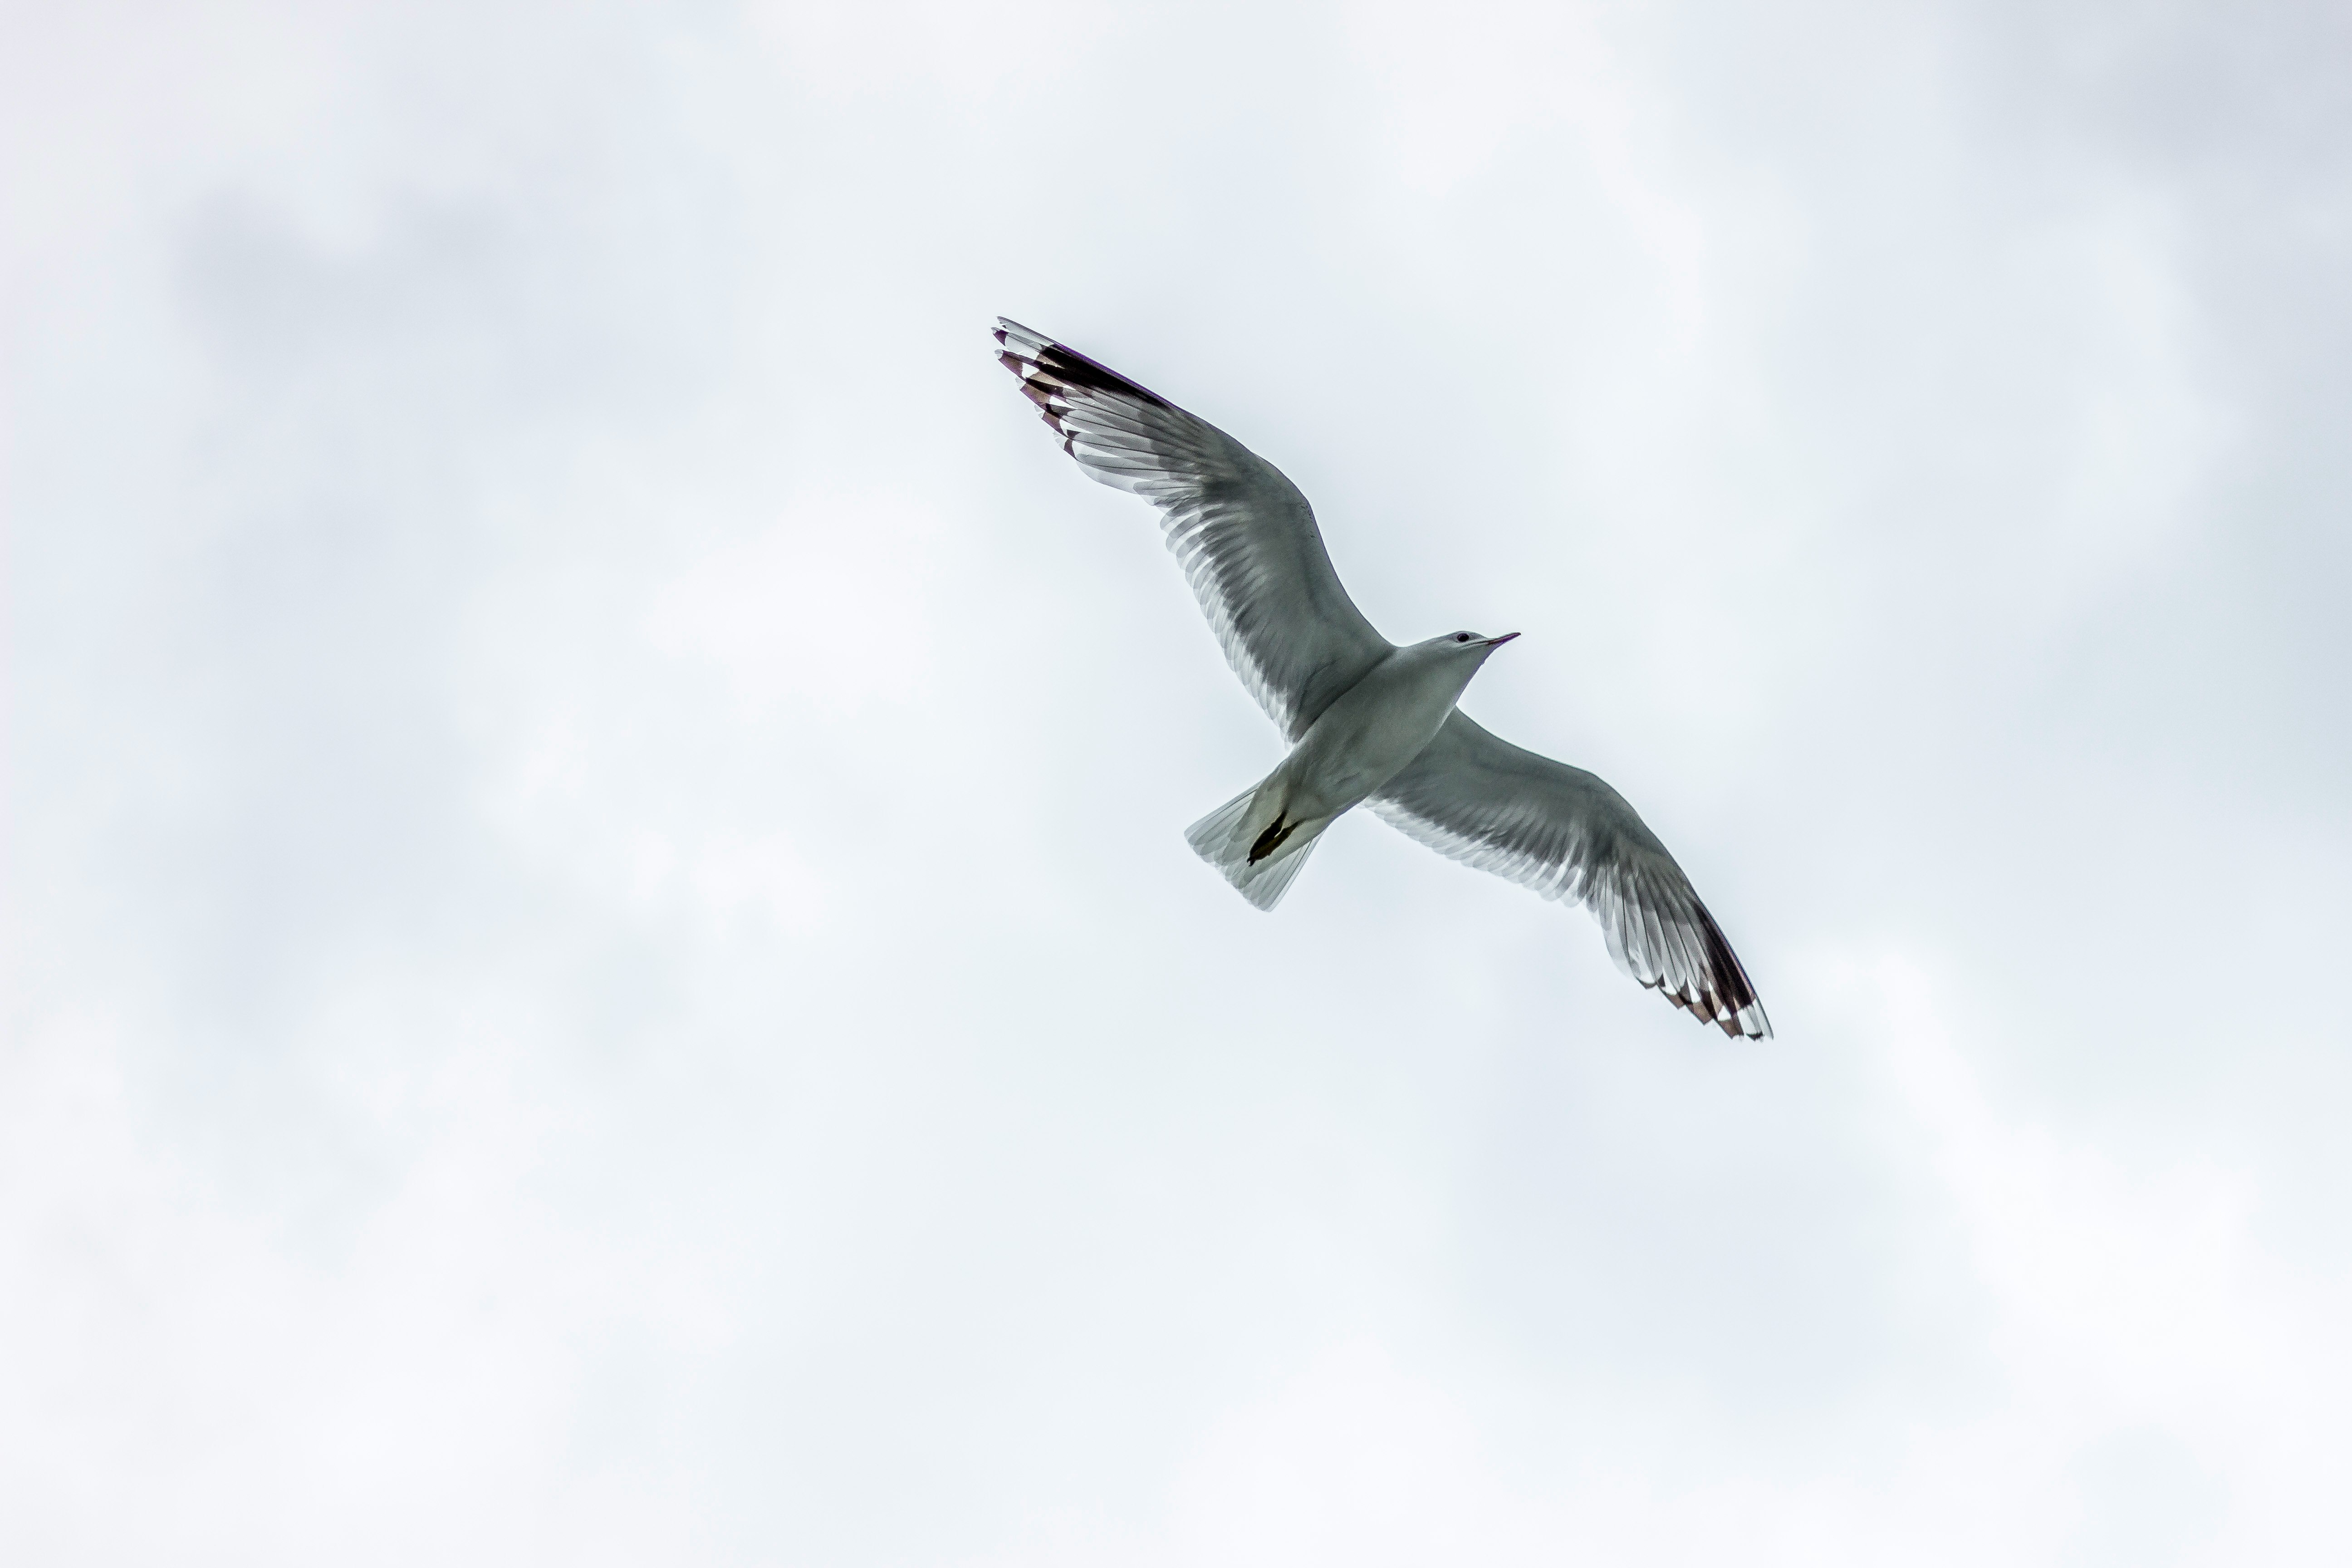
column 1497, row 642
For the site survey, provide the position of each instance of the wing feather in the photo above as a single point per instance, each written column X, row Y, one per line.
column 1567, row 835
column 1245, row 536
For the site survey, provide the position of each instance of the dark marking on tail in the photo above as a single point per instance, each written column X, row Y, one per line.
column 1271, row 839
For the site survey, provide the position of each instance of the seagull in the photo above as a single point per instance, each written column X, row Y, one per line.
column 1370, row 722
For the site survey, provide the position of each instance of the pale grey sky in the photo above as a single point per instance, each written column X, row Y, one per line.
column 602, row 966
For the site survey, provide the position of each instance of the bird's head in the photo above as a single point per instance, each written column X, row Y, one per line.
column 1466, row 645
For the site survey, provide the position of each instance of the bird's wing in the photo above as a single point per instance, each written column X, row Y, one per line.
column 1243, row 534
column 1564, row 833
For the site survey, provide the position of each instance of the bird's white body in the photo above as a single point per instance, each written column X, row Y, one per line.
column 1369, row 723
column 1365, row 738
column 1380, row 723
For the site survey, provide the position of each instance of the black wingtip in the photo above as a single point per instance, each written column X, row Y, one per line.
column 1067, row 364
column 1724, row 996
column 1729, row 991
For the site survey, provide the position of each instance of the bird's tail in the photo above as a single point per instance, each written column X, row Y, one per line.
column 1252, row 840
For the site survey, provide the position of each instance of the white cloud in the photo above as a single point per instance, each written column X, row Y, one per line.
column 601, row 965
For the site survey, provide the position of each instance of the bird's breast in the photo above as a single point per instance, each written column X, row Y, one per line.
column 1365, row 738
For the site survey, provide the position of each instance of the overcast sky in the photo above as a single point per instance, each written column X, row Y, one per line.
column 604, row 966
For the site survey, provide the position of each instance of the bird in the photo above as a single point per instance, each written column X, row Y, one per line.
column 1370, row 722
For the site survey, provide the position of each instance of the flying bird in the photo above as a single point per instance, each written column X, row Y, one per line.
column 1370, row 722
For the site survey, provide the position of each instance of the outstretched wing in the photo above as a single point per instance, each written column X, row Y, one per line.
column 1564, row 833
column 1243, row 534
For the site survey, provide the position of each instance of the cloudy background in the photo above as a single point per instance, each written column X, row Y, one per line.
column 603, row 968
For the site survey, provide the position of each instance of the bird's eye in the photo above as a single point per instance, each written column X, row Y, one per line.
column 1460, row 637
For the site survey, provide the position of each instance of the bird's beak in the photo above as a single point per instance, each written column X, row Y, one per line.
column 1497, row 642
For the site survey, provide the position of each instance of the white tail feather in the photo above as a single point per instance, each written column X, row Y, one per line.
column 1224, row 837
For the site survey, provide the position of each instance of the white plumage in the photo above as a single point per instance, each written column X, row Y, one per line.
column 1370, row 722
